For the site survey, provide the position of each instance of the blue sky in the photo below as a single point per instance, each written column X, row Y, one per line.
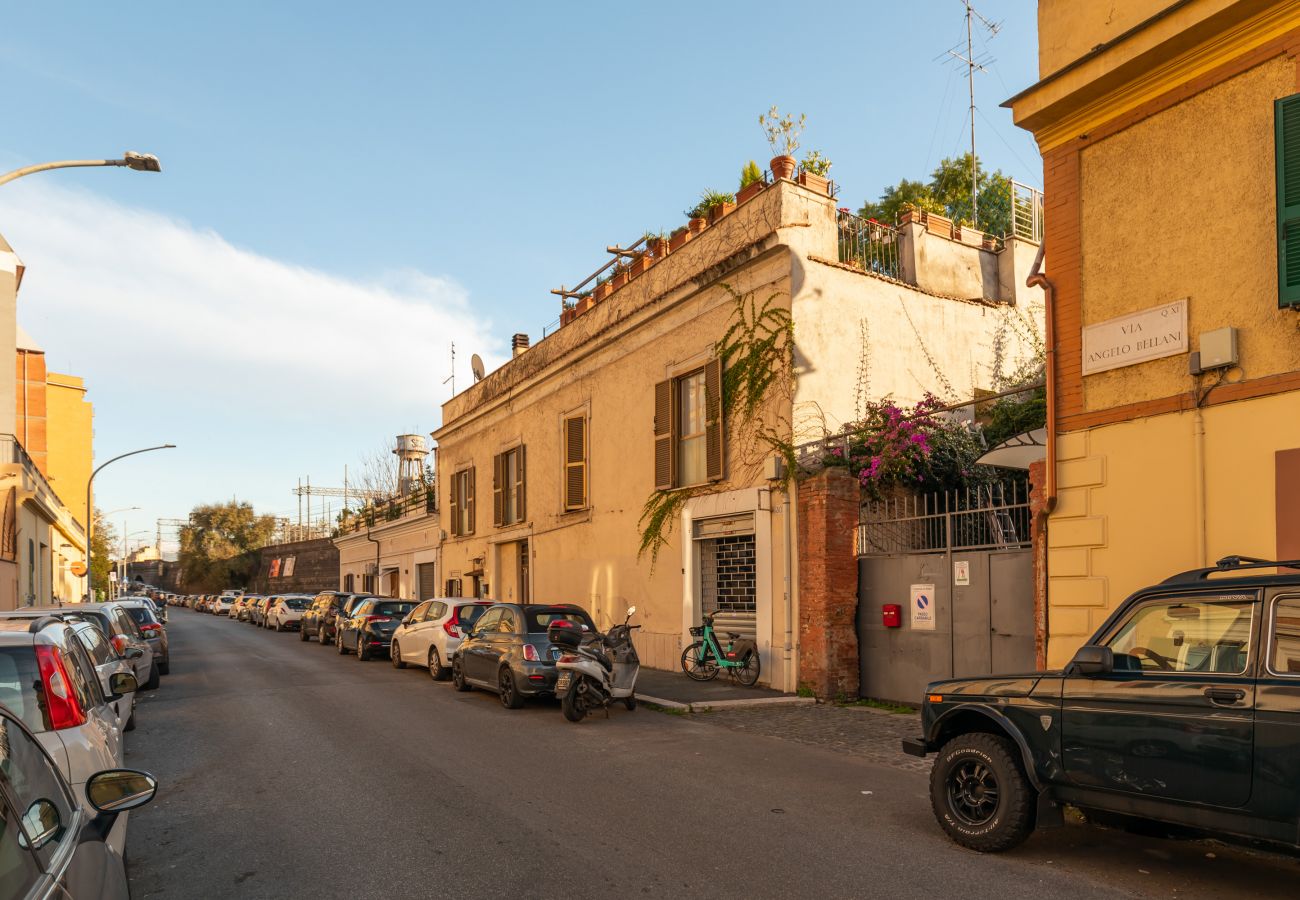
column 347, row 188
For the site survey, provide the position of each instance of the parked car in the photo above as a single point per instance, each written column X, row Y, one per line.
column 256, row 610
column 285, row 613
column 1182, row 708
column 155, row 633
column 508, row 651
column 430, row 633
column 107, row 663
column 123, row 634
column 53, row 843
column 369, row 628
column 221, row 605
column 48, row 681
column 320, row 618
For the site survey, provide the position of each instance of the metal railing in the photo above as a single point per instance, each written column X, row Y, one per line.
column 424, row 499
column 1026, row 212
column 867, row 244
column 995, row 516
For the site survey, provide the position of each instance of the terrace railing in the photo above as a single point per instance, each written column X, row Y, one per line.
column 1026, row 212
column 868, row 244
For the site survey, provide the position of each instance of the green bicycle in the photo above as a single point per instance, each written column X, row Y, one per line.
column 704, row 659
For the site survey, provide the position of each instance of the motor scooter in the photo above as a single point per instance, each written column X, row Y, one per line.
column 594, row 670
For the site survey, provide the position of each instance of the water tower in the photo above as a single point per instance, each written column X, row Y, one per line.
column 411, row 452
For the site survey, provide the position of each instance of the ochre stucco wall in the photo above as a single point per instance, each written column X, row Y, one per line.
column 1125, row 515
column 1182, row 205
column 69, row 434
column 1069, row 29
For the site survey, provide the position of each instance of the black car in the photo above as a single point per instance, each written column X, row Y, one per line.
column 1183, row 708
column 319, row 620
column 508, row 651
column 369, row 627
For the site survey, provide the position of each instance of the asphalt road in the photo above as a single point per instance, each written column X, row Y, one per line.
column 286, row 770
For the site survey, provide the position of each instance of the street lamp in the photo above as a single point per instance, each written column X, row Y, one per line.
column 90, row 509
column 140, row 162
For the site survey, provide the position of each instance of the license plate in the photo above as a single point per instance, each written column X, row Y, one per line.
column 562, row 683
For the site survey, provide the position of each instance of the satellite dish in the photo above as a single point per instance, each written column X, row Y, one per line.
column 476, row 365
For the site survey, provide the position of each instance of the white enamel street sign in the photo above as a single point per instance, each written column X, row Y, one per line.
column 1138, row 337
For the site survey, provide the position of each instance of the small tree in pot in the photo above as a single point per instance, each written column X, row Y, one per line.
column 783, row 135
column 751, row 182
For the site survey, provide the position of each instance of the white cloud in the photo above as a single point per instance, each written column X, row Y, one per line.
column 223, row 322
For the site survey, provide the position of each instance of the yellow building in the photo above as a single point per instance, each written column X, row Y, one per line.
column 1170, row 134
column 70, row 436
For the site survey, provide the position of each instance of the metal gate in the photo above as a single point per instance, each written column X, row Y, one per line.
column 959, row 567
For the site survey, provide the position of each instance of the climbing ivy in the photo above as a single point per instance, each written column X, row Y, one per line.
column 757, row 356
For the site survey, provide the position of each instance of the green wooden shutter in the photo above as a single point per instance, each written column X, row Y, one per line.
column 1286, row 114
column 521, row 485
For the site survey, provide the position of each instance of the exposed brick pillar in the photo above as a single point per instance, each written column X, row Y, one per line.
column 828, row 583
column 1038, row 528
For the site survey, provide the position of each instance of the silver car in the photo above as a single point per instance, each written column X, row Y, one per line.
column 151, row 627
column 123, row 634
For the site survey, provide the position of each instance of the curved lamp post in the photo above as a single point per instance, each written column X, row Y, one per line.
column 141, row 162
column 90, row 509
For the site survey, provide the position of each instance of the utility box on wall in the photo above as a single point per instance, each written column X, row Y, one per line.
column 891, row 615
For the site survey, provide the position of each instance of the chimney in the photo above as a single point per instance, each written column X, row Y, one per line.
column 518, row 344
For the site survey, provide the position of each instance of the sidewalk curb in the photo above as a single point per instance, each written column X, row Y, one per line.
column 702, row 705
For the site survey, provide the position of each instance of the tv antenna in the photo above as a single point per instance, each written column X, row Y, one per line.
column 972, row 64
column 476, row 366
column 452, row 376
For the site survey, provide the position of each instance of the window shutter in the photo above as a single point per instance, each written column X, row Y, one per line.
column 575, row 463
column 1286, row 114
column 498, row 489
column 455, row 504
column 665, row 448
column 715, row 434
column 521, row 486
column 469, row 500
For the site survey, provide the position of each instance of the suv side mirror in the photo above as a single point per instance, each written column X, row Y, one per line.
column 1092, row 660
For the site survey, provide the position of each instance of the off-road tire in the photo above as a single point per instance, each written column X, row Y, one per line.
column 996, row 762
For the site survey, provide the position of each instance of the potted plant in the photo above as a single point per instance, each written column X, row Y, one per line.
column 678, row 239
column 716, row 204
column 697, row 217
column 656, row 243
column 617, row 276
column 783, row 136
column 813, row 171
column 640, row 263
column 751, row 182
column 600, row 292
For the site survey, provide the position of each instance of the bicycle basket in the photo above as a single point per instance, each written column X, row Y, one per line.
column 697, row 631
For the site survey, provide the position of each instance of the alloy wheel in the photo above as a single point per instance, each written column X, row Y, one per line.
column 973, row 792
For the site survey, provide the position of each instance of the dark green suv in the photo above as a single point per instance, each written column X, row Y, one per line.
column 1183, row 708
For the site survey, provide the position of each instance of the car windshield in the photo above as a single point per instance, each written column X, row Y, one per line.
column 471, row 613
column 19, row 678
column 393, row 608
column 296, row 603
column 539, row 618
column 141, row 615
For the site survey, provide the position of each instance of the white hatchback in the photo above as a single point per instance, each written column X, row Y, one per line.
column 285, row 612
column 431, row 632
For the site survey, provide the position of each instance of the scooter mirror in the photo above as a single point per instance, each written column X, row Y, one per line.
column 630, row 611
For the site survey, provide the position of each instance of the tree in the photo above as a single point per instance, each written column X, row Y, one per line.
column 947, row 193
column 103, row 541
column 218, row 544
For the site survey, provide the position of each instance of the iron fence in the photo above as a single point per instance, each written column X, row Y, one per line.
column 867, row 244
column 424, row 499
column 1026, row 212
column 994, row 516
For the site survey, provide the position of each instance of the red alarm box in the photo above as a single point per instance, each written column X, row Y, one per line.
column 891, row 615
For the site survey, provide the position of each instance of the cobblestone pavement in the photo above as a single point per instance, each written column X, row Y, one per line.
column 856, row 730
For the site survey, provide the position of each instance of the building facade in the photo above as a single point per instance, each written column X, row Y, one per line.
column 391, row 548
column 549, row 468
column 1170, row 135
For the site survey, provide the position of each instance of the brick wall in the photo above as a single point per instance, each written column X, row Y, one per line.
column 315, row 568
column 828, row 583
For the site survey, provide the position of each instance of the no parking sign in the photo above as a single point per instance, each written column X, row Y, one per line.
column 922, row 607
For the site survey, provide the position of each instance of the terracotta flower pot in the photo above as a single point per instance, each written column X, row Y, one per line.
column 815, row 183
column 749, row 190
column 568, row 315
column 697, row 225
column 617, row 281
column 659, row 248
column 678, row 240
column 717, row 212
column 600, row 292
column 783, row 166
column 640, row 264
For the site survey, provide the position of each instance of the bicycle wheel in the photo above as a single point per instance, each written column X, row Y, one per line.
column 698, row 662
column 748, row 673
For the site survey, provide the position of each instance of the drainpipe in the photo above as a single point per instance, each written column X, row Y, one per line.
column 1038, row 279
column 376, row 543
column 791, row 677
